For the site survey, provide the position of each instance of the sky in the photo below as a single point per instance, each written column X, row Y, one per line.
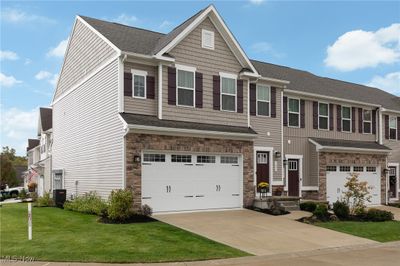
column 356, row 41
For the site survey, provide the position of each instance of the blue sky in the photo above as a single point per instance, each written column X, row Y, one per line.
column 353, row 41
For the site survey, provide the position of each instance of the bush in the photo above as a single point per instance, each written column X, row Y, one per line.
column 308, row 206
column 90, row 203
column 321, row 212
column 120, row 205
column 45, row 201
column 146, row 210
column 23, row 195
column 376, row 215
column 341, row 210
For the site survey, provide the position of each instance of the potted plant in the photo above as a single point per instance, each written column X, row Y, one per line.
column 263, row 186
column 278, row 191
column 32, row 187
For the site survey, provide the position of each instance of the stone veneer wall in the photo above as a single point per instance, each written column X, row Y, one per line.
column 331, row 158
column 136, row 143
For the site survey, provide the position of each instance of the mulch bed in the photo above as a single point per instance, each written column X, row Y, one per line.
column 132, row 219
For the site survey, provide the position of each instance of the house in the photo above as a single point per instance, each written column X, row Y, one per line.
column 39, row 154
column 189, row 122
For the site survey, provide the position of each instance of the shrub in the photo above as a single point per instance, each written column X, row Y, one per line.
column 341, row 210
column 376, row 215
column 357, row 193
column 45, row 201
column 146, row 210
column 321, row 212
column 90, row 203
column 308, row 206
column 23, row 195
column 120, row 203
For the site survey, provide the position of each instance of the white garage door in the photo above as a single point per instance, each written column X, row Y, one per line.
column 336, row 178
column 181, row 182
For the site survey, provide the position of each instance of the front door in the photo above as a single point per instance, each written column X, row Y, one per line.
column 262, row 168
column 392, row 182
column 293, row 177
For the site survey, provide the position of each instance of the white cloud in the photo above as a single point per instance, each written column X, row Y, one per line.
column 361, row 49
column 27, row 61
column 43, row 75
column 13, row 15
column 165, row 24
column 8, row 55
column 265, row 48
column 126, row 19
column 17, row 126
column 256, row 2
column 59, row 50
column 390, row 83
column 8, row 81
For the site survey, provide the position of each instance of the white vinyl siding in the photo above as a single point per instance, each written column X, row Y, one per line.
column 263, row 100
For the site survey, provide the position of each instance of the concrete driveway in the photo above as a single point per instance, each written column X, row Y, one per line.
column 260, row 234
column 394, row 210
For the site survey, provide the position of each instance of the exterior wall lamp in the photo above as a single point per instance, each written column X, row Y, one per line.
column 136, row 158
column 278, row 154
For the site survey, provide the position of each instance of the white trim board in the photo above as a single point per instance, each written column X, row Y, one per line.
column 397, row 165
column 270, row 150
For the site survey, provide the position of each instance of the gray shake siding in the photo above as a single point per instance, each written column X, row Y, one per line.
column 208, row 62
column 86, row 52
column 88, row 135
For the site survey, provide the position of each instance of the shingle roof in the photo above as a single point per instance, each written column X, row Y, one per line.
column 46, row 118
column 32, row 143
column 371, row 145
column 148, row 120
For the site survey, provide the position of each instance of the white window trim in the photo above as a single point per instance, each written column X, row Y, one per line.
column 229, row 76
column 139, row 73
column 368, row 121
column 326, row 116
column 188, row 69
column 203, row 45
column 269, row 101
column 290, row 112
column 350, row 119
column 395, row 127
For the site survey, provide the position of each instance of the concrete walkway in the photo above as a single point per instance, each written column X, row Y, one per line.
column 261, row 234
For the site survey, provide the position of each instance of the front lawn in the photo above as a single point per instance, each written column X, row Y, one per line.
column 61, row 235
column 378, row 231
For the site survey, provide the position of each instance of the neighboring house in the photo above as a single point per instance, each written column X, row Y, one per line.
column 188, row 122
column 39, row 154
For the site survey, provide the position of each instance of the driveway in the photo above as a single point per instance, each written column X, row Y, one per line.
column 260, row 234
column 394, row 210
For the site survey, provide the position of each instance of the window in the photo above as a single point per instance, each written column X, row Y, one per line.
column 294, row 112
column 392, row 127
column 346, row 119
column 185, row 88
column 229, row 159
column 205, row 159
column 153, row 157
column 331, row 168
column 228, row 93
column 323, row 115
column 57, row 179
column 371, row 169
column 139, row 83
column 263, row 100
column 292, row 166
column 358, row 169
column 367, row 118
column 207, row 39
column 262, row 158
column 181, row 158
column 344, row 168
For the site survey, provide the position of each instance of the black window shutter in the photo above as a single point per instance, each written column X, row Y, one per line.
column 253, row 99
column 171, row 85
column 398, row 127
column 353, row 119
column 273, row 102
column 150, row 87
column 315, row 115
column 302, row 113
column 373, row 121
column 285, row 111
column 360, row 120
column 127, row 84
column 216, row 93
column 331, row 106
column 339, row 117
column 240, row 96
column 199, row 90
column 386, row 127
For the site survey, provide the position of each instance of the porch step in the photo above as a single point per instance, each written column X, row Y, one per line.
column 289, row 205
column 286, row 203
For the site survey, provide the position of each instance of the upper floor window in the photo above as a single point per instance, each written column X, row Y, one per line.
column 185, row 88
column 346, row 119
column 392, row 127
column 367, row 121
column 228, row 92
column 294, row 112
column 207, row 39
column 263, row 100
column 323, row 115
column 139, row 83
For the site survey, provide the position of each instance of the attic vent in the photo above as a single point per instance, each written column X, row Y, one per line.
column 207, row 39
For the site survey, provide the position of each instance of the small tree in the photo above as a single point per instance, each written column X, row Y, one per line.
column 357, row 194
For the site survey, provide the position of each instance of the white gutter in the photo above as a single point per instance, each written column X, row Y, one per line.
column 150, row 57
column 320, row 147
column 390, row 111
column 259, row 77
column 160, row 90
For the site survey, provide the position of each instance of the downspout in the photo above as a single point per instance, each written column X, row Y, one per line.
column 248, row 103
column 160, row 77
column 380, row 131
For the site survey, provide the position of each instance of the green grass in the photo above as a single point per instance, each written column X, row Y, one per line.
column 61, row 235
column 378, row 231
